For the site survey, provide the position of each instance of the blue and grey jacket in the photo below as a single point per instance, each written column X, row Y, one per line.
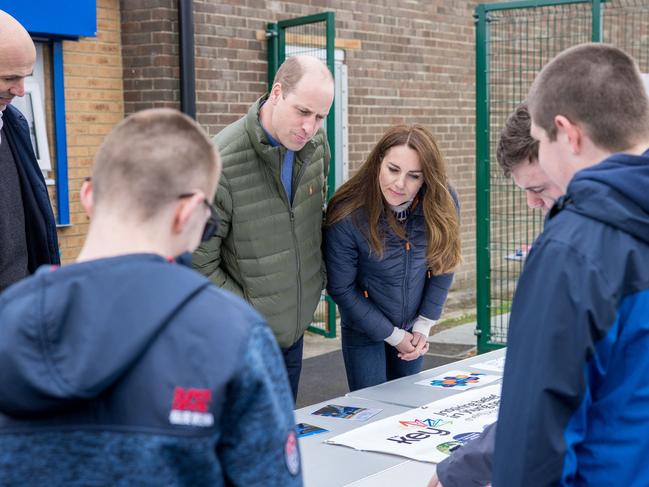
column 135, row 371
column 376, row 294
column 575, row 405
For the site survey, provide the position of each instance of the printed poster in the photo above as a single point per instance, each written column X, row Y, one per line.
column 305, row 429
column 494, row 365
column 347, row 412
column 474, row 406
column 459, row 379
column 422, row 433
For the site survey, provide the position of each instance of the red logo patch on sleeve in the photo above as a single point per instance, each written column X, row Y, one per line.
column 190, row 407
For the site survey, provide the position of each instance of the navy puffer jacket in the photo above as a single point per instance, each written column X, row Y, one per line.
column 373, row 294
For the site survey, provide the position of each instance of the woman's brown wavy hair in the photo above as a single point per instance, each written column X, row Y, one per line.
column 363, row 191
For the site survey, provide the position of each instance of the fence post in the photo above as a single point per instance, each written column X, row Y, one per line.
column 596, row 6
column 482, row 179
column 272, row 36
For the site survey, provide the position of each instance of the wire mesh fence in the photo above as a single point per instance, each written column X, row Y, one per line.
column 515, row 44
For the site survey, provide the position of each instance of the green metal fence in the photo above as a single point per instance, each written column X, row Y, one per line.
column 312, row 35
column 513, row 41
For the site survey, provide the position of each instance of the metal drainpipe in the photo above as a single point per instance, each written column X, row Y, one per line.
column 187, row 72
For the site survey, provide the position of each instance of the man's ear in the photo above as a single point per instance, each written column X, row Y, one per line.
column 572, row 131
column 86, row 197
column 185, row 208
column 275, row 92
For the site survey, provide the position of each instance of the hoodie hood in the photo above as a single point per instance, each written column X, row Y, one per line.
column 67, row 334
column 614, row 192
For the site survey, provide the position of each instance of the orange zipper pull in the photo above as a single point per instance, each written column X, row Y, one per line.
column 408, row 245
column 366, row 294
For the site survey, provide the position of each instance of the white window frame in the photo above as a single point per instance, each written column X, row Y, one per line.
column 32, row 106
column 341, row 92
column 342, row 124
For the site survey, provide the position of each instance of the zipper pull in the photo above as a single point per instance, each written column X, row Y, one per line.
column 408, row 245
column 366, row 294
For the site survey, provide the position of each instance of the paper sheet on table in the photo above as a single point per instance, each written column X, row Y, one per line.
column 495, row 365
column 459, row 380
column 347, row 412
column 422, row 433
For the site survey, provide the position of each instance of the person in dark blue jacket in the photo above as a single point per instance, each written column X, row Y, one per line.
column 575, row 400
column 27, row 228
column 391, row 244
column 127, row 367
column 518, row 156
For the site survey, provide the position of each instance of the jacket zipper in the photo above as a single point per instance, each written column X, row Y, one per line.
column 297, row 250
column 404, row 289
column 299, row 281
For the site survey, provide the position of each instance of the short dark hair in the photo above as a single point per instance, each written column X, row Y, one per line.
column 150, row 158
column 516, row 145
column 598, row 86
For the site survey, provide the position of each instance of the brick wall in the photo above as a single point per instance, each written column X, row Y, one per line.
column 150, row 54
column 415, row 64
column 94, row 104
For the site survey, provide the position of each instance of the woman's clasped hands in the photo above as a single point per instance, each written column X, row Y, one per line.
column 412, row 346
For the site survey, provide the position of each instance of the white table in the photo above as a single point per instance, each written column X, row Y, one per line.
column 404, row 391
column 325, row 465
column 410, row 473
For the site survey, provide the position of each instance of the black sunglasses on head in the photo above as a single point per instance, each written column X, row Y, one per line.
column 212, row 223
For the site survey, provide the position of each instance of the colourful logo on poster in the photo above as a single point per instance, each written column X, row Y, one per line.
column 460, row 380
column 458, row 440
column 424, row 423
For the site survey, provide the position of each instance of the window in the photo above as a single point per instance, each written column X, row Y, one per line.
column 32, row 107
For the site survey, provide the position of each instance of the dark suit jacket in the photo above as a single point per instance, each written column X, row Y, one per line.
column 40, row 227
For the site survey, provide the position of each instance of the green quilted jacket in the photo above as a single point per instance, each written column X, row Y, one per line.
column 267, row 250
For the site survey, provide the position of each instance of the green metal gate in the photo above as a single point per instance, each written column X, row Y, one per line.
column 312, row 35
column 513, row 42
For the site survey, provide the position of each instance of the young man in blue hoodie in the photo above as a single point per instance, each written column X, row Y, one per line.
column 575, row 402
column 518, row 157
column 128, row 368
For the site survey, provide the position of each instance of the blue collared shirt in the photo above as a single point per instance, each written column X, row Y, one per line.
column 286, row 173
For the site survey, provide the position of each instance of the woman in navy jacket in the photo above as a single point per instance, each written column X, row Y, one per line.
column 391, row 244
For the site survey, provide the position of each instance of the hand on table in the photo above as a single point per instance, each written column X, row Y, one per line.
column 420, row 346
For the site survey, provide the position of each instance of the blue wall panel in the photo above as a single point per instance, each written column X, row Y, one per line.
column 55, row 18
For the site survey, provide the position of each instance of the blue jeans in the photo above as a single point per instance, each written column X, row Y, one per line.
column 369, row 363
column 293, row 362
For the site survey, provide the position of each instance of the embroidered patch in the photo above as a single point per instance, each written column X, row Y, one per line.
column 190, row 407
column 291, row 453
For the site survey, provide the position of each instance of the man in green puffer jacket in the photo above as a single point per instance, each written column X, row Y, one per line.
column 270, row 202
